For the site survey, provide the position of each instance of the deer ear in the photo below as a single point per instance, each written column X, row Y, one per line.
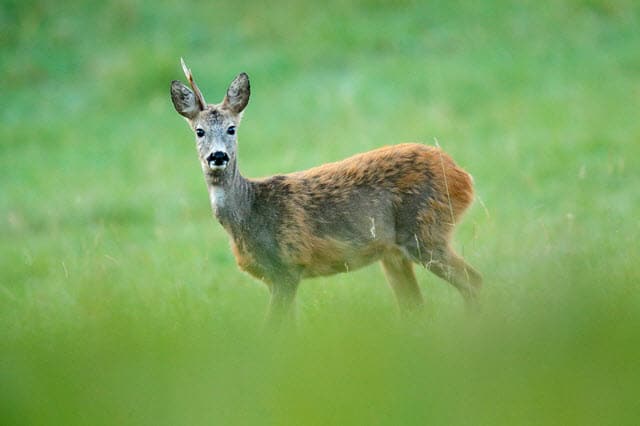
column 184, row 100
column 238, row 93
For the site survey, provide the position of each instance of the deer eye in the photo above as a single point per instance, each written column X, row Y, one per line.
column 199, row 133
column 231, row 130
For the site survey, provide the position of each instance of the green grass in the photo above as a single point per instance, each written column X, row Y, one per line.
column 120, row 301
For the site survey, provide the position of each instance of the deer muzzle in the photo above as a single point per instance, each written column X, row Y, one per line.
column 217, row 160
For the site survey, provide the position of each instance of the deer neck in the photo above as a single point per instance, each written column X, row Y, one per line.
column 230, row 195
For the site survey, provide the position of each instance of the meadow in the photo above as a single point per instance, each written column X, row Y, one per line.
column 120, row 301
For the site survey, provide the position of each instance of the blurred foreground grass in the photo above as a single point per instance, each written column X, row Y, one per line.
column 120, row 302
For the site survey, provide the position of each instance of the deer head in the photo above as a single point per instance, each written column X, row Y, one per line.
column 215, row 125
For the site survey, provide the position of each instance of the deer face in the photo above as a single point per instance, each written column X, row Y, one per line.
column 215, row 132
column 214, row 125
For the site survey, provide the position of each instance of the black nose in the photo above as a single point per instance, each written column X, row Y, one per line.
column 218, row 158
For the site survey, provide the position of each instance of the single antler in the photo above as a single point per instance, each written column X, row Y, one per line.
column 194, row 86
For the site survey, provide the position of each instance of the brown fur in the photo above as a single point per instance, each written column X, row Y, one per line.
column 398, row 205
column 394, row 176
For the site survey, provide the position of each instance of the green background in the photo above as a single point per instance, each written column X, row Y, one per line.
column 120, row 301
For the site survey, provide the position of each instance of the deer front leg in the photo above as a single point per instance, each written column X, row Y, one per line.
column 282, row 307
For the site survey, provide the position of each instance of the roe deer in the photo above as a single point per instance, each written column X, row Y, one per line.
column 397, row 204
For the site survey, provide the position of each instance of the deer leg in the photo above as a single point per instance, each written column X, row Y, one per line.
column 399, row 273
column 282, row 306
column 452, row 268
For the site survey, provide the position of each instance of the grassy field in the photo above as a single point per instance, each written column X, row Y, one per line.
column 120, row 301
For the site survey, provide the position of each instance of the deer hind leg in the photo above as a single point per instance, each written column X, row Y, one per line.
column 399, row 273
column 446, row 264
